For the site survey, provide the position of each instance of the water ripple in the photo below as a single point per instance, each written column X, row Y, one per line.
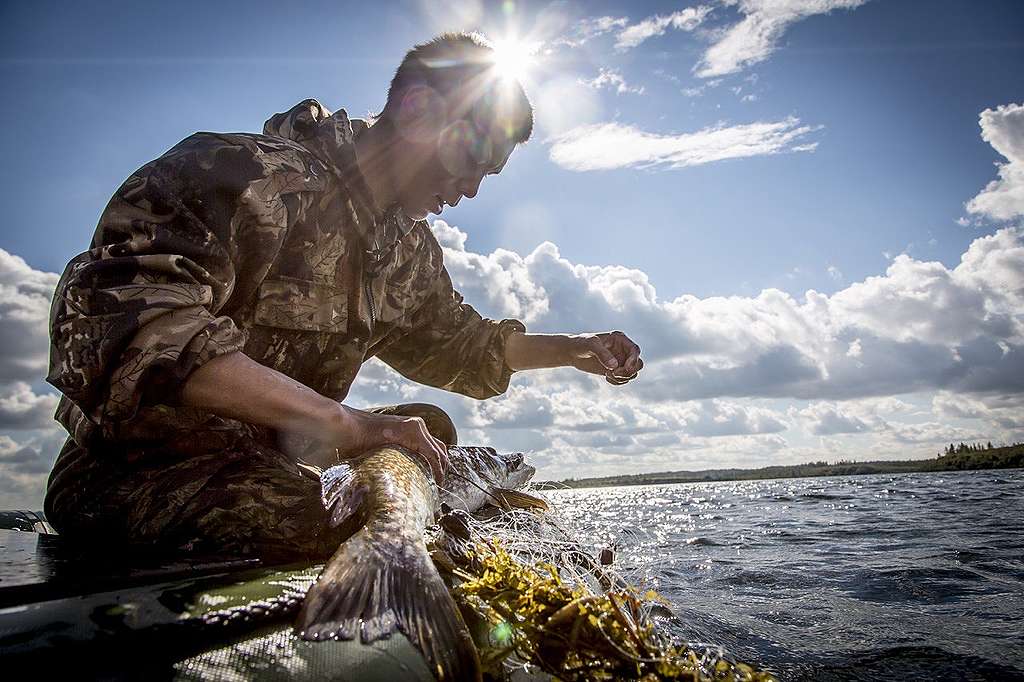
column 916, row 576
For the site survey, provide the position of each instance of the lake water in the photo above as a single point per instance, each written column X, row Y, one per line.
column 908, row 576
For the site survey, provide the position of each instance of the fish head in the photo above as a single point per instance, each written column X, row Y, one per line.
column 517, row 472
column 475, row 472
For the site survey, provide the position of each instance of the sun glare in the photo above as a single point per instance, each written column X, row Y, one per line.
column 513, row 58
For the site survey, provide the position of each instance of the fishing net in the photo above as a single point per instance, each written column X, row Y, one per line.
column 537, row 599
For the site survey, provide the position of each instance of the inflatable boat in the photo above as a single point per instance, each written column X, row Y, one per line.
column 98, row 614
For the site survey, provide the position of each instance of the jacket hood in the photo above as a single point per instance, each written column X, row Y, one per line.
column 331, row 137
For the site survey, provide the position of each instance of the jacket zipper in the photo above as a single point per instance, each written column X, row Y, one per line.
column 375, row 255
column 369, row 301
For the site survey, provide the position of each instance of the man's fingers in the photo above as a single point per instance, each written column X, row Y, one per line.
column 419, row 440
column 429, row 452
column 603, row 354
column 437, row 453
column 628, row 351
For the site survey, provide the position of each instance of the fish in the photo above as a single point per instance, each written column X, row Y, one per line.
column 478, row 476
column 382, row 578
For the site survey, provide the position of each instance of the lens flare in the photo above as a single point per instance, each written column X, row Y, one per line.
column 513, row 59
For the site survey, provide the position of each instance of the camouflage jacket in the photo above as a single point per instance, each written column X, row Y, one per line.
column 268, row 244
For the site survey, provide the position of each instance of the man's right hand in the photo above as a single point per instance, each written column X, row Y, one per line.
column 353, row 432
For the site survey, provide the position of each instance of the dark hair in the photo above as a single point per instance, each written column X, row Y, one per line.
column 452, row 59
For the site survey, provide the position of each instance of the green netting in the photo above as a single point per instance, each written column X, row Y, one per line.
column 275, row 653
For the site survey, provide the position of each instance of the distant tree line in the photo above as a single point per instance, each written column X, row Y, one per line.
column 962, row 448
column 963, row 457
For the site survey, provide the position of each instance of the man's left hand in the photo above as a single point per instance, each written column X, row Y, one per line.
column 613, row 355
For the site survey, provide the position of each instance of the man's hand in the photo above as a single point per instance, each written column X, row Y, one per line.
column 613, row 355
column 353, row 432
column 610, row 354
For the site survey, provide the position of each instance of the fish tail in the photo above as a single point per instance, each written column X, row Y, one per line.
column 369, row 589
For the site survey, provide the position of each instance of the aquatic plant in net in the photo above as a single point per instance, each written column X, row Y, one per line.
column 533, row 595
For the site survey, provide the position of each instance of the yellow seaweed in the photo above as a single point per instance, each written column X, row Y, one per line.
column 530, row 613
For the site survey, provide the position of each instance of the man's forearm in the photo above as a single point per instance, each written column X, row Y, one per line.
column 236, row 386
column 534, row 351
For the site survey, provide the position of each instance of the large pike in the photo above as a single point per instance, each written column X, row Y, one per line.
column 382, row 578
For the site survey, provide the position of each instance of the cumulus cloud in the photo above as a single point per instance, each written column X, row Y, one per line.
column 757, row 34
column 1004, row 412
column 920, row 326
column 827, row 419
column 590, row 28
column 26, row 458
column 25, row 295
column 613, row 80
column 605, row 146
column 747, row 380
column 1003, row 198
column 628, row 35
column 24, row 466
column 684, row 20
column 715, row 418
column 21, row 408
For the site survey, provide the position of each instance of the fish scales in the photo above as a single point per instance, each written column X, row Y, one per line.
column 382, row 578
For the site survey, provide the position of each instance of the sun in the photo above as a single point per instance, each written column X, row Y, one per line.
column 513, row 58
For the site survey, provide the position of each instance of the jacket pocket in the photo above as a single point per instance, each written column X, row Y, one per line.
column 302, row 304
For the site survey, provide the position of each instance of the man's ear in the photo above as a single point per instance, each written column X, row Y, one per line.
column 422, row 114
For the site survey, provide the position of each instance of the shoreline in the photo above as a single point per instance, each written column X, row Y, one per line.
column 1008, row 457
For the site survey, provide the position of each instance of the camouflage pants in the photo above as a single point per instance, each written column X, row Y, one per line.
column 255, row 501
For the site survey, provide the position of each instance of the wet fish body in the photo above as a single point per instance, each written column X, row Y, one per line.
column 382, row 578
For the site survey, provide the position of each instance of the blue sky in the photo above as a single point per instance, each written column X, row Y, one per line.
column 869, row 146
column 94, row 90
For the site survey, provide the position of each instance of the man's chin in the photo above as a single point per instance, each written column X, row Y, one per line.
column 416, row 213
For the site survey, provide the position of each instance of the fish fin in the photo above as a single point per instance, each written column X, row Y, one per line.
column 341, row 496
column 519, row 499
column 368, row 591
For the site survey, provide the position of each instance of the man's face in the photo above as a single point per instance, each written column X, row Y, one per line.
column 440, row 160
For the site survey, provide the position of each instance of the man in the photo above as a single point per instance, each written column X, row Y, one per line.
column 207, row 340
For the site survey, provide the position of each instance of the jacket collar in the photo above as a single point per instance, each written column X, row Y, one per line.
column 331, row 138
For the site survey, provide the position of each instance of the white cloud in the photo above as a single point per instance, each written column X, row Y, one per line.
column 755, row 37
column 590, row 28
column 998, row 411
column 25, row 465
column 1003, row 199
column 684, row 20
column 730, row 381
column 715, row 418
column 21, row 408
column 605, row 146
column 612, row 79
column 827, row 419
column 25, row 295
column 920, row 326
column 747, row 381
column 951, row 405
